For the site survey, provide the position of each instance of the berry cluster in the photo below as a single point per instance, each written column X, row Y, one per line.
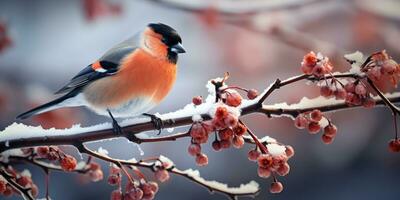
column 272, row 162
column 21, row 178
column 134, row 189
column 225, row 123
column 312, row 121
column 316, row 64
column 67, row 162
column 357, row 94
column 380, row 67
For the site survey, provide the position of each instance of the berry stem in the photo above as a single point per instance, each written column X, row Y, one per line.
column 263, row 149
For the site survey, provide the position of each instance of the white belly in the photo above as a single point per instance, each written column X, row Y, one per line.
column 132, row 108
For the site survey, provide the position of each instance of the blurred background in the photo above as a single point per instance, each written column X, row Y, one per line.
column 44, row 43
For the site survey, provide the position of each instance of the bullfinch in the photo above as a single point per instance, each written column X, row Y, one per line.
column 128, row 80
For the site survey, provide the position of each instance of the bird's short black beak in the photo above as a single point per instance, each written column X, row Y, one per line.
column 178, row 48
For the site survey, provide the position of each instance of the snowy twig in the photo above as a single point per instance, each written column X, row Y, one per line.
column 254, row 106
column 251, row 190
column 24, row 191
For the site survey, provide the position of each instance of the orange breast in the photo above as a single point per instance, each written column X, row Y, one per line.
column 140, row 75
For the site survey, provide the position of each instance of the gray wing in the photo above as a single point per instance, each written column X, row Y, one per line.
column 110, row 62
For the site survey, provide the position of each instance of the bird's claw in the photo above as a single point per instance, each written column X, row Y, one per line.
column 117, row 128
column 157, row 122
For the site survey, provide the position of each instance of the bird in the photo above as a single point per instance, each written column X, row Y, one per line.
column 127, row 81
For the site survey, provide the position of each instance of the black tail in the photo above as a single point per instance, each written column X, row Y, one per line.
column 46, row 107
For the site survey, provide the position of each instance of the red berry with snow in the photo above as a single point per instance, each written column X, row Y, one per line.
column 283, row 169
column 96, row 175
column 221, row 112
column 225, row 134
column 153, row 186
column 360, row 89
column 350, row 87
column 340, row 93
column 42, row 151
column 265, row 161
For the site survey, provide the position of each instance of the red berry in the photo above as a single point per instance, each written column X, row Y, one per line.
column 265, row 161
column 153, row 186
column 318, row 70
column 216, row 145
column 197, row 100
column 374, row 73
column 136, row 194
column 68, row 163
column 326, row 91
column 42, row 151
column 369, row 102
column 394, row 145
column 231, row 120
column 389, row 66
column 301, row 121
column 116, row 195
column 233, row 99
column 24, row 181
column 327, row 139
column 114, row 169
column 201, row 159
column 252, row 94
column 289, row 151
column 34, row 190
column 221, row 112
column 253, row 155
column 306, row 69
column 314, row 127
column 283, row 170
column 198, row 131
column 225, row 134
column 162, row 175
column 225, row 144
column 316, row 115
column 194, row 149
column 263, row 172
column 240, row 129
column 340, row 93
column 8, row 192
column 238, row 141
column 330, row 130
column 114, row 179
column 276, row 187
column 53, row 156
column 360, row 89
column 350, row 87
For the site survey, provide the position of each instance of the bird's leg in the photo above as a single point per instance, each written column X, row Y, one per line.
column 118, row 130
column 116, row 127
column 157, row 122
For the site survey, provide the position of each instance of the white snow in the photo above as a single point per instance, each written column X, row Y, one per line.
column 12, row 152
column 26, row 173
column 357, row 58
column 276, row 149
column 102, row 151
column 249, row 188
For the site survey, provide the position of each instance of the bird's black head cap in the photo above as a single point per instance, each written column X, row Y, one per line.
column 170, row 38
